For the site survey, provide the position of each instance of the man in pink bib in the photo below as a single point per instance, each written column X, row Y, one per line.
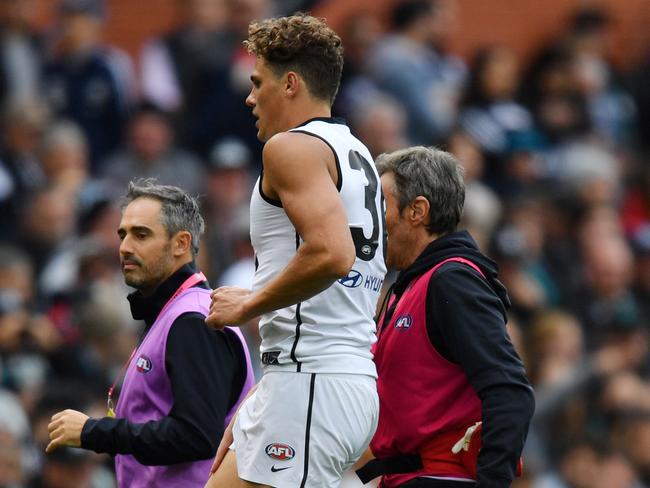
column 455, row 403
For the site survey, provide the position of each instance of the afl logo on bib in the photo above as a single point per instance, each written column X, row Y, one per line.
column 404, row 322
column 281, row 452
column 143, row 364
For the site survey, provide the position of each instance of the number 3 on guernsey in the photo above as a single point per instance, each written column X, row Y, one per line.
column 367, row 247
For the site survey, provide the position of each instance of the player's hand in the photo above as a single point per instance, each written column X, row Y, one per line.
column 225, row 443
column 228, row 307
column 65, row 429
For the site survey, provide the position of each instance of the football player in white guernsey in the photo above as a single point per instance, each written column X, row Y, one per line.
column 318, row 233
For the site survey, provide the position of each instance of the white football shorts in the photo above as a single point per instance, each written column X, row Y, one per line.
column 303, row 430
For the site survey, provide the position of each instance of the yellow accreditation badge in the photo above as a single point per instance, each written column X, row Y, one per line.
column 111, row 411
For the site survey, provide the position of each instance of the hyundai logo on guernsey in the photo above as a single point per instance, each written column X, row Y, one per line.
column 355, row 279
column 352, row 280
column 404, row 322
column 280, row 452
column 143, row 364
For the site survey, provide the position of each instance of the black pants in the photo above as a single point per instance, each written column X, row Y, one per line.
column 435, row 483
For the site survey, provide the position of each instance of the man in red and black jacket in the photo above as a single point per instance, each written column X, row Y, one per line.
column 455, row 403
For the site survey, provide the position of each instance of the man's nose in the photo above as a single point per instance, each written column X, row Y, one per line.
column 250, row 100
column 125, row 246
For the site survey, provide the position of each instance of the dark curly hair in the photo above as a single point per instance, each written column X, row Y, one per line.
column 303, row 44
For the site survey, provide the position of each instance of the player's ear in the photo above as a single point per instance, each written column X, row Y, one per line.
column 292, row 82
column 418, row 211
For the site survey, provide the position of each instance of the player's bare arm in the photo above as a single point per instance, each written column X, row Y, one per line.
column 300, row 171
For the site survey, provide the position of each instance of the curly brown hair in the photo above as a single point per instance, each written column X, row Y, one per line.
column 303, row 44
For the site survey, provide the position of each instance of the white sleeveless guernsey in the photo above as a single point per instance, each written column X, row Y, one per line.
column 332, row 332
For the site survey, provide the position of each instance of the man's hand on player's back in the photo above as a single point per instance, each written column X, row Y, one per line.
column 227, row 307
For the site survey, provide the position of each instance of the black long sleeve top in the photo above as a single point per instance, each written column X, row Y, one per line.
column 466, row 317
column 207, row 370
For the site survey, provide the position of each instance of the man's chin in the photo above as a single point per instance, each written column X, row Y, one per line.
column 132, row 281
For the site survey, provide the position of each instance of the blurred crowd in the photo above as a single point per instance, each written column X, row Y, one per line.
column 556, row 150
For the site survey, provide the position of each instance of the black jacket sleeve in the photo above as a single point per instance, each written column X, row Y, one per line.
column 467, row 326
column 201, row 365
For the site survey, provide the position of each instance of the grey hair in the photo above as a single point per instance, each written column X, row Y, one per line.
column 433, row 174
column 179, row 211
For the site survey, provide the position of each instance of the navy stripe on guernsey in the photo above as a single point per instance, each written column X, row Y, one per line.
column 307, row 429
column 295, row 341
column 268, row 199
column 298, row 324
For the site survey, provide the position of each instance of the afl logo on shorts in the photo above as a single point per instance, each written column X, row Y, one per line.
column 143, row 364
column 352, row 280
column 281, row 452
column 404, row 322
